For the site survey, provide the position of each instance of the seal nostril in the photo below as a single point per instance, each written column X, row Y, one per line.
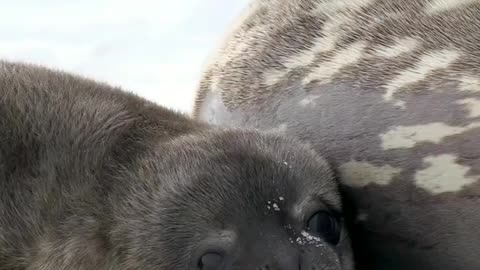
column 210, row 261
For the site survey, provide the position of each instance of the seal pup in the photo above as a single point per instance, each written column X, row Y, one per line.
column 93, row 177
column 389, row 91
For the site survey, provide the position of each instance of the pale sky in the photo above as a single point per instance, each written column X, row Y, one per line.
column 155, row 48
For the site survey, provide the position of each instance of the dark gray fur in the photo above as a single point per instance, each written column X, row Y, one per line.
column 92, row 177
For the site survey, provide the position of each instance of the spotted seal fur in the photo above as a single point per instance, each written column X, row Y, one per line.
column 389, row 90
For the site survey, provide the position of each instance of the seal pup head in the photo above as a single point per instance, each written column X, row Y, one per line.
column 226, row 200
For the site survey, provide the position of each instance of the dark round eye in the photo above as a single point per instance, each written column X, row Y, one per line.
column 325, row 225
column 210, row 261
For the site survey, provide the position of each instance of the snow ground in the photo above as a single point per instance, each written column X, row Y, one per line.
column 155, row 48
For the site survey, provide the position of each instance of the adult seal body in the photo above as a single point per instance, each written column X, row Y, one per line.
column 389, row 90
column 92, row 177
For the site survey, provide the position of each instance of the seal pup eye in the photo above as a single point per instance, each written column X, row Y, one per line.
column 325, row 225
column 210, row 261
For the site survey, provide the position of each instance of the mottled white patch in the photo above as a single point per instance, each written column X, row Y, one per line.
column 473, row 106
column 470, row 84
column 281, row 198
column 443, row 174
column 324, row 43
column 437, row 6
column 324, row 71
column 309, row 101
column 427, row 64
column 321, row 44
column 276, row 207
column 333, row 26
column 360, row 174
column 332, row 7
column 409, row 136
column 273, row 76
column 400, row 47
